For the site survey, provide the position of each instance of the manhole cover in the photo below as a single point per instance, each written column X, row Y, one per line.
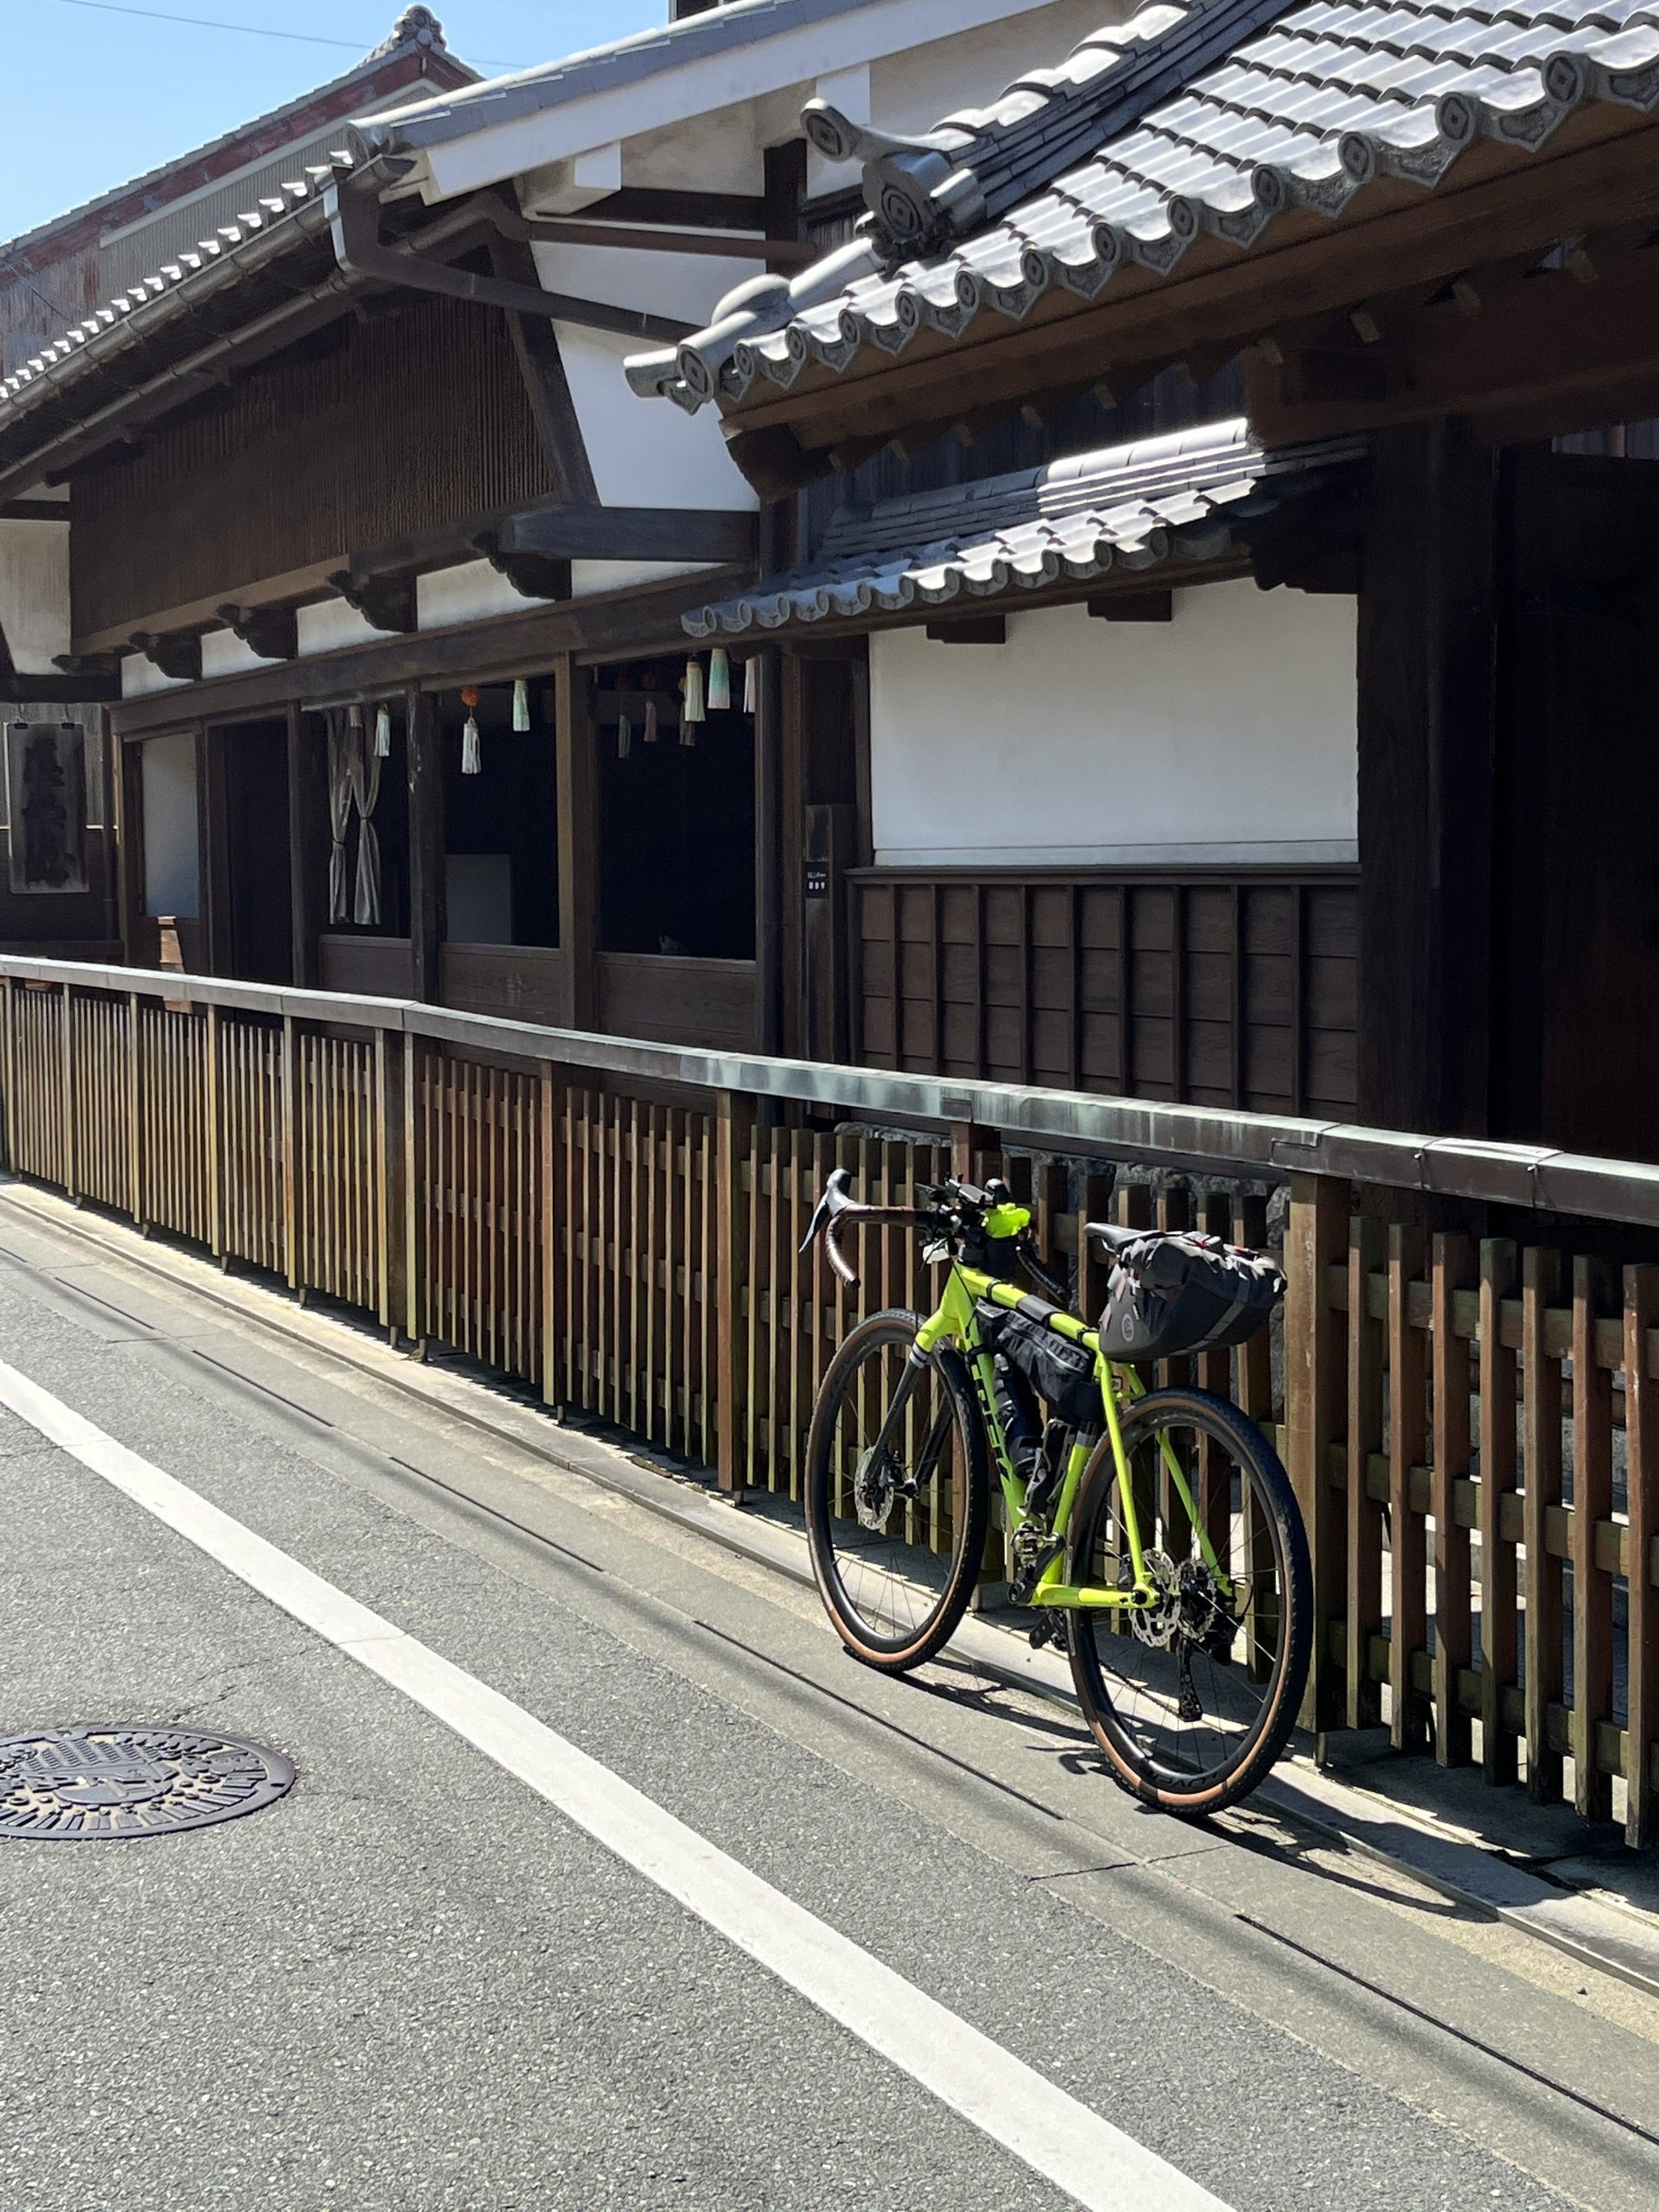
column 130, row 1782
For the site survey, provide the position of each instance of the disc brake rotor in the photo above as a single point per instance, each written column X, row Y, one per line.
column 874, row 1492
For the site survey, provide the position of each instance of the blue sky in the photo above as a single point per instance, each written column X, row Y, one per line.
column 94, row 96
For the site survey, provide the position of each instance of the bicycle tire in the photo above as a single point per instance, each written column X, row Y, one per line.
column 929, row 1625
column 1117, row 1698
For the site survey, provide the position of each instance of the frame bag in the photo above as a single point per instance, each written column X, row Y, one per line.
column 1061, row 1373
column 1186, row 1294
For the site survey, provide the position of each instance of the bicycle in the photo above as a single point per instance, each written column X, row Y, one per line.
column 1154, row 1533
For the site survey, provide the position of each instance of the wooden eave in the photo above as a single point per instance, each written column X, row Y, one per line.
column 1599, row 170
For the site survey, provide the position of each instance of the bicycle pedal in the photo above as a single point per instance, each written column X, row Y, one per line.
column 1051, row 1629
column 1032, row 1569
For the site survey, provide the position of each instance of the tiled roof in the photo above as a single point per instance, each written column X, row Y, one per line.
column 1173, row 498
column 416, row 30
column 602, row 69
column 257, row 236
column 1079, row 172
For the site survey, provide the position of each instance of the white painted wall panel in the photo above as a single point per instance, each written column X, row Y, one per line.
column 1226, row 735
column 172, row 847
column 34, row 593
column 330, row 623
column 644, row 453
column 140, row 676
column 589, row 578
column 471, row 593
column 223, row 653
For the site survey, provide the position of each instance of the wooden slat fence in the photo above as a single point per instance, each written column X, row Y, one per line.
column 1472, row 1423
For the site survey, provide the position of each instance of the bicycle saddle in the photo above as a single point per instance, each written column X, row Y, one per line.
column 1114, row 1238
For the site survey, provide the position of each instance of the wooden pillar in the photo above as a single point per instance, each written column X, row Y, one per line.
column 1316, row 1369
column 213, row 829
column 426, row 919
column 769, row 860
column 1428, row 607
column 308, row 842
column 578, row 833
column 127, row 771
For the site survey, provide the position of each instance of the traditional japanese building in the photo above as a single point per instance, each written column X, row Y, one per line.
column 383, row 570
column 1301, row 757
column 61, row 885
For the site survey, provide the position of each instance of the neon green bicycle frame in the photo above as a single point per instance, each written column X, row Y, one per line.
column 955, row 1325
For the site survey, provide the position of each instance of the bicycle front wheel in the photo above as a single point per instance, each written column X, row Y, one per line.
column 897, row 1535
column 1192, row 1699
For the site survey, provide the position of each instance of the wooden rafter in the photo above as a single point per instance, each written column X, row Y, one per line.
column 536, row 344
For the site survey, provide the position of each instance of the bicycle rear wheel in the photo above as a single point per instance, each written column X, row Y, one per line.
column 896, row 1538
column 1192, row 1700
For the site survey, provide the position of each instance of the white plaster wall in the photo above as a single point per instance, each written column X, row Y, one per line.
column 140, row 676
column 470, row 593
column 34, row 593
column 589, row 578
column 223, row 653
column 330, row 623
column 1226, row 735
column 172, row 850
column 686, row 286
column 644, row 453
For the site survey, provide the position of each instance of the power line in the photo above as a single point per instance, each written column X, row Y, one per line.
column 249, row 31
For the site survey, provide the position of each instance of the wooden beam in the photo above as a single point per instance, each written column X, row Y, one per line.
column 1133, row 606
column 970, row 630
column 590, row 532
column 536, row 344
column 308, row 830
column 24, row 690
column 428, row 921
column 709, row 211
column 608, row 625
column 1427, row 746
column 577, row 778
column 662, row 237
column 33, row 511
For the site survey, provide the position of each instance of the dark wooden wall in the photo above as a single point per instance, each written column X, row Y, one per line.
column 370, row 433
column 1210, row 990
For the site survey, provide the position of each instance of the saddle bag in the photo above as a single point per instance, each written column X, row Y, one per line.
column 1186, row 1294
column 1061, row 1373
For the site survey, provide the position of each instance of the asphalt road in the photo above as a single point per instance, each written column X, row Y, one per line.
column 415, row 1983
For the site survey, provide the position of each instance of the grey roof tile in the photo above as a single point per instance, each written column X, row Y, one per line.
column 1165, row 499
column 1186, row 120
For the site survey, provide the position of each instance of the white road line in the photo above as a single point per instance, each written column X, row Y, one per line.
column 1058, row 2137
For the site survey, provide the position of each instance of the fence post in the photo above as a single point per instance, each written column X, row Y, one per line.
column 548, row 1231
column 1315, row 1372
column 215, row 1143
column 415, row 1192
column 135, row 1109
column 1453, row 1270
column 1642, row 1435
column 1499, row 1582
column 9, row 1024
column 393, row 1194
column 66, row 1094
column 291, row 1151
column 734, row 1123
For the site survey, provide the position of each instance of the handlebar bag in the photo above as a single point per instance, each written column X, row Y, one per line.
column 1216, row 1295
column 1061, row 1373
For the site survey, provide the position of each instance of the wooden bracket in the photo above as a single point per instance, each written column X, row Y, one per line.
column 273, row 632
column 1133, row 606
column 533, row 576
column 971, row 630
column 177, row 653
column 384, row 602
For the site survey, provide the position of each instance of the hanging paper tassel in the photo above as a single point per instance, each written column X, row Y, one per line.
column 382, row 731
column 751, row 684
column 521, row 706
column 472, row 757
column 695, row 711
column 719, row 681
column 624, row 738
column 354, row 717
column 650, row 721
